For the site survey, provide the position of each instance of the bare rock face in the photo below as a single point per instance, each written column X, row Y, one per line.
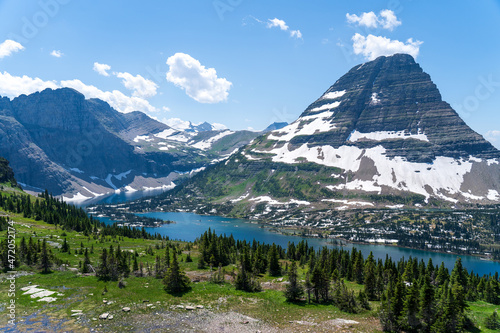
column 394, row 94
column 382, row 128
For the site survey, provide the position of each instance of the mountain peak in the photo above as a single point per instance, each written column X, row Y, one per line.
column 386, row 126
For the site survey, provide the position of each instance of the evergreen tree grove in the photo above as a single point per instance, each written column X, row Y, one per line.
column 175, row 279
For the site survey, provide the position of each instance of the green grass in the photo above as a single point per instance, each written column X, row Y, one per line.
column 86, row 292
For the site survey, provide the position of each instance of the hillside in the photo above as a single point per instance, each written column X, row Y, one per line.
column 58, row 289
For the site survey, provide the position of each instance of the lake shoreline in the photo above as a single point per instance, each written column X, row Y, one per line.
column 272, row 228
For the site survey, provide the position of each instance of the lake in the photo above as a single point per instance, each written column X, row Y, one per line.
column 189, row 226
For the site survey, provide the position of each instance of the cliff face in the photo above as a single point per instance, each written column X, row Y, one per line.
column 382, row 128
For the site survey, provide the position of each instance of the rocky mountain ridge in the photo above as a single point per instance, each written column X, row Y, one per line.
column 82, row 148
column 380, row 135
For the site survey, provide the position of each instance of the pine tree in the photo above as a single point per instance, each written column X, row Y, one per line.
column 244, row 281
column 102, row 272
column 294, row 290
column 370, row 278
column 320, row 283
column 45, row 258
column 308, row 286
column 86, row 262
column 363, row 300
column 175, row 280
column 409, row 319
column 492, row 322
column 65, row 246
column 135, row 267
column 274, row 264
column 427, row 304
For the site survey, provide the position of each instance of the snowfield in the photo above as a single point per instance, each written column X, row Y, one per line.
column 386, row 135
column 306, row 125
column 443, row 178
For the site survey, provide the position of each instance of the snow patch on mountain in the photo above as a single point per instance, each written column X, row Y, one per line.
column 442, row 178
column 328, row 106
column 333, row 94
column 306, row 125
column 142, row 138
column 387, row 135
column 493, row 195
column 165, row 134
column 207, row 144
column 271, row 201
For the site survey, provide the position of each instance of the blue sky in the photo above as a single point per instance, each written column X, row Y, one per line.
column 246, row 63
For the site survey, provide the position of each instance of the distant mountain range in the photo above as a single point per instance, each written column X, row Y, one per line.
column 380, row 135
column 82, row 148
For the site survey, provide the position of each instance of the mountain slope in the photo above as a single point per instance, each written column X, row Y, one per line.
column 381, row 133
column 81, row 148
column 56, row 139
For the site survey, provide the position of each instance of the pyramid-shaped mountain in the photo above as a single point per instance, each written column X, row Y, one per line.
column 381, row 131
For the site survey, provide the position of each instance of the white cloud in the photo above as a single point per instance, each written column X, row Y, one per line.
column 177, row 123
column 389, row 20
column 166, row 109
column 492, row 136
column 13, row 86
column 140, row 86
column 368, row 20
column 296, row 34
column 200, row 83
column 56, row 53
column 275, row 22
column 115, row 98
column 372, row 46
column 218, row 127
column 8, row 47
column 386, row 19
column 102, row 68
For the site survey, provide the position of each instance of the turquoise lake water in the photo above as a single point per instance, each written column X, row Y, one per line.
column 189, row 226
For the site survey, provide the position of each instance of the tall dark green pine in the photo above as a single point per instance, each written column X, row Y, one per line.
column 294, row 290
column 274, row 263
column 86, row 262
column 320, row 283
column 410, row 322
column 102, row 272
column 370, row 278
column 45, row 258
column 65, row 246
column 175, row 280
column 397, row 301
column 427, row 305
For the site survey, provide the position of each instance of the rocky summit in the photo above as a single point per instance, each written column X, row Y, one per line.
column 381, row 131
